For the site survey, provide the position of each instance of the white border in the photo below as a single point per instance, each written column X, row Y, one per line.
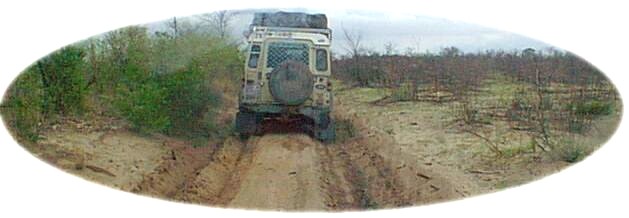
column 594, row 30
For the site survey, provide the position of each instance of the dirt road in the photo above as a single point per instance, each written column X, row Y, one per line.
column 400, row 155
column 274, row 171
column 281, row 170
column 294, row 172
column 283, row 174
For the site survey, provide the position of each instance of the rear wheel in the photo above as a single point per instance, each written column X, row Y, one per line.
column 248, row 123
column 324, row 129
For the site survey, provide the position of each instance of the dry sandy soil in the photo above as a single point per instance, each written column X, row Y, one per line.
column 397, row 156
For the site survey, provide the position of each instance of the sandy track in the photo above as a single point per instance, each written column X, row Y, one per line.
column 275, row 171
column 271, row 172
column 388, row 161
column 294, row 172
column 284, row 174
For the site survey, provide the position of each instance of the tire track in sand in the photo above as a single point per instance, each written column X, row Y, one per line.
column 243, row 163
column 294, row 172
column 375, row 182
column 218, row 182
column 333, row 181
column 284, row 175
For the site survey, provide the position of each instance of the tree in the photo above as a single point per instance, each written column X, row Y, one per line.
column 22, row 105
column 353, row 42
column 63, row 80
column 389, row 49
column 174, row 27
column 219, row 21
column 127, row 51
column 353, row 47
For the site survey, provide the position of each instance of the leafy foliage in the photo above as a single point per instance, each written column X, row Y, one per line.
column 591, row 108
column 144, row 107
column 159, row 83
column 570, row 151
column 22, row 106
column 188, row 98
column 54, row 86
column 405, row 92
column 63, row 81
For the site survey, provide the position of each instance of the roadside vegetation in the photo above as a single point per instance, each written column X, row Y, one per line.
column 549, row 95
column 170, row 81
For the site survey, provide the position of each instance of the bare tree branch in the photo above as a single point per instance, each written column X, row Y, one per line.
column 353, row 40
column 219, row 21
column 173, row 25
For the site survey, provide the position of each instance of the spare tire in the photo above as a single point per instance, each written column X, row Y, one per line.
column 291, row 82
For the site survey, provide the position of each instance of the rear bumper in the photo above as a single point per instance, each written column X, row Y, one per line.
column 315, row 113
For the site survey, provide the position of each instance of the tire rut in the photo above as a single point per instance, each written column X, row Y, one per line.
column 243, row 163
column 291, row 172
column 178, row 168
column 337, row 190
column 376, row 183
column 214, row 183
column 300, row 194
column 283, row 175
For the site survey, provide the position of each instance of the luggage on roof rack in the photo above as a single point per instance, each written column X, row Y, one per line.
column 290, row 20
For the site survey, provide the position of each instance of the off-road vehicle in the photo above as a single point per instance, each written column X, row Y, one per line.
column 287, row 74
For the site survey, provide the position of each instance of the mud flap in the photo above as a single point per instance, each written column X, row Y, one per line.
column 325, row 130
column 247, row 123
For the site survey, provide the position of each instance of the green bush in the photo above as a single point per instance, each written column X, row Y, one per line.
column 574, row 155
column 405, row 92
column 177, row 104
column 189, row 98
column 570, row 151
column 166, row 84
column 144, row 107
column 158, row 85
column 582, row 112
column 55, row 85
column 591, row 108
column 577, row 125
column 63, row 80
column 22, row 105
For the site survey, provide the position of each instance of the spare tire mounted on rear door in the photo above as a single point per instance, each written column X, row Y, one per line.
column 291, row 82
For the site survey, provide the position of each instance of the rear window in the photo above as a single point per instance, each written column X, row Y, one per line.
column 278, row 52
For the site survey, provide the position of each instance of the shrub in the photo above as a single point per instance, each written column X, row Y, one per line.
column 63, row 80
column 405, row 92
column 22, row 105
column 573, row 154
column 145, row 107
column 467, row 112
column 177, row 104
column 570, row 151
column 188, row 100
column 582, row 112
column 591, row 108
column 578, row 125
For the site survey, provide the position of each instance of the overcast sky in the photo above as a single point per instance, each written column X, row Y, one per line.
column 403, row 31
column 409, row 31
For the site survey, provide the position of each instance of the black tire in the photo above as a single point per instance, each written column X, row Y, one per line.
column 291, row 83
column 247, row 123
column 325, row 133
column 243, row 137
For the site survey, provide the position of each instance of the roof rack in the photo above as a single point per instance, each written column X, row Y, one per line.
column 326, row 32
column 290, row 19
